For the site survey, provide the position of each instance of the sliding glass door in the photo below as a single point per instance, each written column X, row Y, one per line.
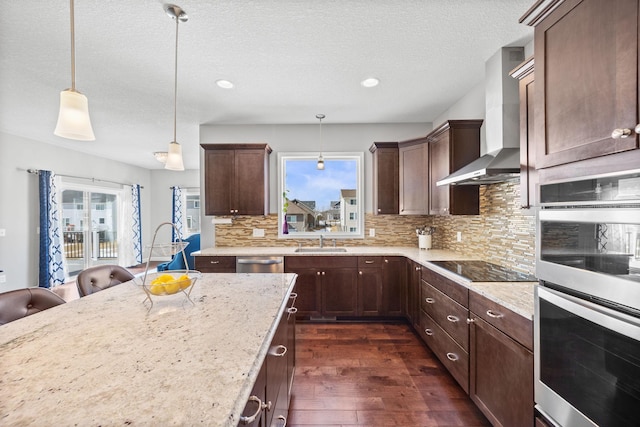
column 90, row 227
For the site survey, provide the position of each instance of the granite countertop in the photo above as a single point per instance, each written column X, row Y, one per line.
column 105, row 360
column 516, row 296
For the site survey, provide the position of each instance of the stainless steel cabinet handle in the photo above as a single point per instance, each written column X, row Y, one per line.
column 491, row 313
column 429, row 300
column 293, row 295
column 428, row 332
column 452, row 356
column 261, row 406
column 292, row 310
column 323, row 273
column 368, row 261
column 214, row 262
column 379, row 210
column 452, row 319
column 318, row 273
column 282, row 418
column 279, row 351
column 637, row 129
column 470, row 321
column 620, row 133
column 259, row 261
column 360, row 273
column 417, row 268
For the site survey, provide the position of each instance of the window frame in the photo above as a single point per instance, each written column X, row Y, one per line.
column 358, row 157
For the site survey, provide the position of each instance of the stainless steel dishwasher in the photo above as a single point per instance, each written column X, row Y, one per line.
column 259, row 264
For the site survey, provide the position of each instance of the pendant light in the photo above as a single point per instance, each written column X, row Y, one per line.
column 73, row 117
column 174, row 154
column 320, row 165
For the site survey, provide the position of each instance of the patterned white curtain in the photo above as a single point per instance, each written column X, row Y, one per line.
column 177, row 216
column 51, row 271
column 131, row 242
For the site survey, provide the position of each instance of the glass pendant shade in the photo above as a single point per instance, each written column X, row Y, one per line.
column 73, row 118
column 320, row 165
column 174, row 157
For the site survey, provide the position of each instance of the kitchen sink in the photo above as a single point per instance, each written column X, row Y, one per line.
column 321, row 250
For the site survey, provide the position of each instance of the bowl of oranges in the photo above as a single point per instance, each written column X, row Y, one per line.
column 163, row 283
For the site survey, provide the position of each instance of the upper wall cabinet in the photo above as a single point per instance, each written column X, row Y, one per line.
column 414, row 177
column 236, row 179
column 586, row 93
column 385, row 178
column 528, row 176
column 454, row 144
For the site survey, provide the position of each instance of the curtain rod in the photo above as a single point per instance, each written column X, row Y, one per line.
column 36, row 171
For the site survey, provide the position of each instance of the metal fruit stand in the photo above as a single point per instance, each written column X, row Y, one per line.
column 160, row 285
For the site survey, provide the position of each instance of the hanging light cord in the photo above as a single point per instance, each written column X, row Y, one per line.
column 320, row 136
column 73, row 50
column 175, row 84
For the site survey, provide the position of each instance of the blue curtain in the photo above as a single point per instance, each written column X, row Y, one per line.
column 136, row 227
column 176, row 217
column 51, row 256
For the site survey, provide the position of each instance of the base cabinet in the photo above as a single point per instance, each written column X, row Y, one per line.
column 412, row 309
column 394, row 285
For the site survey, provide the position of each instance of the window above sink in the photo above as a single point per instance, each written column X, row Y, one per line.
column 313, row 201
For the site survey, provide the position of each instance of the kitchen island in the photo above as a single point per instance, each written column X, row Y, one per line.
column 105, row 360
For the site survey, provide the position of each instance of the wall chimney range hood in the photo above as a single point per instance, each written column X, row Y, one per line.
column 502, row 125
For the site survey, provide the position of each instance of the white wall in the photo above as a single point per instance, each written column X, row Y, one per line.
column 19, row 207
column 305, row 138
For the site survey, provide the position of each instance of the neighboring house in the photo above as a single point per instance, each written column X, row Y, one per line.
column 348, row 210
column 332, row 216
column 301, row 216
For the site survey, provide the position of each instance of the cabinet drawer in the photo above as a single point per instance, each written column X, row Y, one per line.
column 452, row 356
column 370, row 261
column 451, row 316
column 454, row 290
column 512, row 324
column 320, row 262
column 215, row 264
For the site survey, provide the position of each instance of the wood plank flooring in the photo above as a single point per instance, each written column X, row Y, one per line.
column 373, row 374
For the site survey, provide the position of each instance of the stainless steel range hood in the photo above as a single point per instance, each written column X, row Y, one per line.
column 502, row 125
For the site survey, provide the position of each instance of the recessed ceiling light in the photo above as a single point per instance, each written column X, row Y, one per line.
column 370, row 82
column 224, row 84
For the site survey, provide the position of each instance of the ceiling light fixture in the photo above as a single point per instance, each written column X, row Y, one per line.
column 225, row 84
column 174, row 156
column 370, row 82
column 320, row 165
column 73, row 117
column 161, row 156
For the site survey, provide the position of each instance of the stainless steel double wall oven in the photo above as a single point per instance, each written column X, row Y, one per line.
column 587, row 313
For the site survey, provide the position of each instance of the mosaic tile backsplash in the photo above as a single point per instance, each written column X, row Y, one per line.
column 503, row 233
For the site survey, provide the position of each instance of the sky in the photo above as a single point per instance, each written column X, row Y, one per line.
column 305, row 182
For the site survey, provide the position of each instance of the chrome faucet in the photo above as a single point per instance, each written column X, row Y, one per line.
column 321, row 241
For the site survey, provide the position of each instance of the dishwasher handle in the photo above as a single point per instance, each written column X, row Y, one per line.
column 259, row 261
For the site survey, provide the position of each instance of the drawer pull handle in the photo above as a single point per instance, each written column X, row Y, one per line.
column 368, row 261
column 417, row 268
column 620, row 133
column 279, row 351
column 452, row 356
column 292, row 310
column 293, row 295
column 360, row 273
column 214, row 262
column 491, row 313
column 452, row 319
column 261, row 406
column 428, row 332
column 470, row 321
column 282, row 418
column 429, row 300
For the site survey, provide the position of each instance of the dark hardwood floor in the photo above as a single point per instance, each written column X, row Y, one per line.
column 373, row 374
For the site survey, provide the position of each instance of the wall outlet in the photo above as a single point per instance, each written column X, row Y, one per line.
column 372, row 232
column 3, row 278
column 459, row 236
column 258, row 232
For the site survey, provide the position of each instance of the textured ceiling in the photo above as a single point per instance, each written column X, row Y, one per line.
column 288, row 59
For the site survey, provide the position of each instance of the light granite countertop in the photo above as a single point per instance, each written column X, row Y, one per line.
column 516, row 296
column 105, row 360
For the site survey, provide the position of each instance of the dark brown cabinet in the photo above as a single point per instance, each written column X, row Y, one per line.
column 253, row 413
column 414, row 178
column 501, row 363
column 453, row 145
column 326, row 286
column 586, row 55
column 370, row 286
column 236, row 179
column 413, row 293
column 394, row 284
column 215, row 264
column 386, row 178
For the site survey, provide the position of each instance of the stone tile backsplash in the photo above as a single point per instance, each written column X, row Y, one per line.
column 501, row 234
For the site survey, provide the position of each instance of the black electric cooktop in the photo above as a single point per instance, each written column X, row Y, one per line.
column 482, row 271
